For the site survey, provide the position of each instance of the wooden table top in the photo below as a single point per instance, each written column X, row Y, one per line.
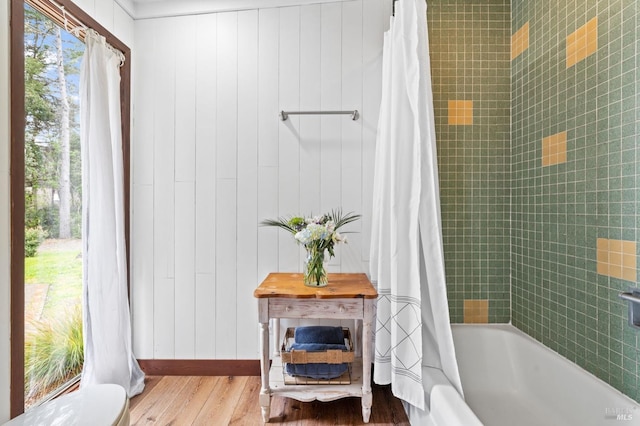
column 341, row 286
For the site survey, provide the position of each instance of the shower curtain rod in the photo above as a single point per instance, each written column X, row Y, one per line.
column 57, row 12
column 65, row 19
column 285, row 114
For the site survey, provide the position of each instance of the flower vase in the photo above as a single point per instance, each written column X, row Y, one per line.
column 314, row 273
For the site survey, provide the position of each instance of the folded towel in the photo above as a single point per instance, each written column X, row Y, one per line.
column 316, row 347
column 316, row 370
column 319, row 334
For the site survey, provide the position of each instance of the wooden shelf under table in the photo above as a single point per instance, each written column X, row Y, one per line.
column 324, row 392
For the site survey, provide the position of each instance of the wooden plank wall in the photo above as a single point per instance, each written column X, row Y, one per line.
column 211, row 159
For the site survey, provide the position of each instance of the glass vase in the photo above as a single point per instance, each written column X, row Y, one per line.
column 314, row 273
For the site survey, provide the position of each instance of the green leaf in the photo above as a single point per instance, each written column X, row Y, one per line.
column 281, row 222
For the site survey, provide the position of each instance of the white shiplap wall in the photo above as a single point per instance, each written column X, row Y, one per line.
column 211, row 159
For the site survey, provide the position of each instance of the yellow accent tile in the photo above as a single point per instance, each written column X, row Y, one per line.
column 476, row 311
column 562, row 156
column 628, row 260
column 615, row 271
column 603, row 268
column 582, row 42
column 554, row 149
column 617, row 258
column 629, row 248
column 615, row 246
column 461, row 112
column 520, row 41
column 603, row 244
column 602, row 253
column 629, row 274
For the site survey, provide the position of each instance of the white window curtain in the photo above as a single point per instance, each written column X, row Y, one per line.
column 108, row 357
column 407, row 263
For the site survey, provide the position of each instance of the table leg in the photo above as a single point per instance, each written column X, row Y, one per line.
column 357, row 339
column 276, row 336
column 367, row 350
column 265, row 391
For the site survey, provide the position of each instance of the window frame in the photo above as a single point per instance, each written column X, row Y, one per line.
column 17, row 169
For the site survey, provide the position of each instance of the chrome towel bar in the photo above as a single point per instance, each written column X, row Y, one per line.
column 633, row 297
column 285, row 114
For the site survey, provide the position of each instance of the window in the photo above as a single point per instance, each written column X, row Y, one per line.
column 20, row 170
column 53, row 210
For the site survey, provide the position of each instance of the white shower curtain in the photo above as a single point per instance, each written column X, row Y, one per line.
column 108, row 357
column 412, row 327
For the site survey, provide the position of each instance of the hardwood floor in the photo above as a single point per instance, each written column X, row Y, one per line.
column 215, row 400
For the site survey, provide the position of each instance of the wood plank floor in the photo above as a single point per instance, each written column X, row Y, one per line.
column 214, row 400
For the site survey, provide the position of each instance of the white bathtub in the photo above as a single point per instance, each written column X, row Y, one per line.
column 509, row 378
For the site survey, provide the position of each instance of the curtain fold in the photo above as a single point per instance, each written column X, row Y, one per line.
column 412, row 326
column 108, row 357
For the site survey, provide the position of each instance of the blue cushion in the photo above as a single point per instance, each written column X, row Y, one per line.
column 316, row 347
column 316, row 371
column 319, row 334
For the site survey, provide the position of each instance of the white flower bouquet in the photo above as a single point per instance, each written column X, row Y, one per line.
column 316, row 234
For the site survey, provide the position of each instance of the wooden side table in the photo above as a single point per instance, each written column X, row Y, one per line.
column 348, row 296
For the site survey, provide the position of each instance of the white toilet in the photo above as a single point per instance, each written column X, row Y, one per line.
column 100, row 405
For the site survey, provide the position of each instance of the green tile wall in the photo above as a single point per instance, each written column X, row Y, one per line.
column 470, row 51
column 559, row 211
column 518, row 234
